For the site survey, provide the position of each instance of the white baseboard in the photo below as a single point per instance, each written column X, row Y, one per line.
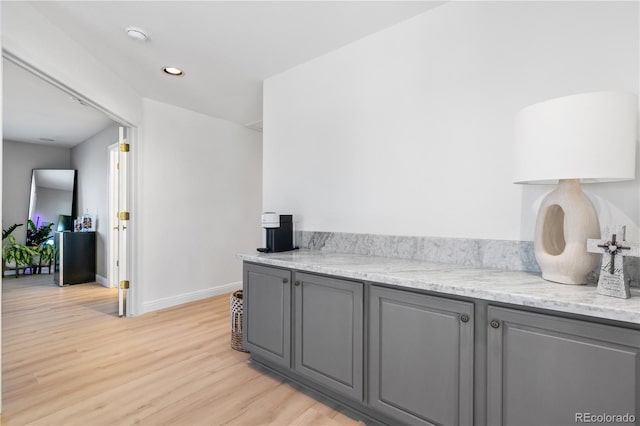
column 102, row 280
column 168, row 302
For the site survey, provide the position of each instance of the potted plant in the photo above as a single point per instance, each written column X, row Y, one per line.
column 38, row 240
column 38, row 235
column 15, row 256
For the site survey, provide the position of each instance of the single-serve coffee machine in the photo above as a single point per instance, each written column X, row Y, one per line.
column 279, row 232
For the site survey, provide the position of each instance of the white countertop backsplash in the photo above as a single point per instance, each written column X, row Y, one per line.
column 513, row 287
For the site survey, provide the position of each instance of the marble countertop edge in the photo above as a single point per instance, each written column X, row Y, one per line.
column 492, row 285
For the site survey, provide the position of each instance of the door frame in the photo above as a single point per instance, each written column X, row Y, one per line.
column 134, row 293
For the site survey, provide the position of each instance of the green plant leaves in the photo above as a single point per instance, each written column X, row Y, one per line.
column 9, row 230
column 23, row 255
column 37, row 235
column 46, row 252
column 18, row 253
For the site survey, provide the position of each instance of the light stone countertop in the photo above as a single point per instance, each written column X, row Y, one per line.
column 517, row 288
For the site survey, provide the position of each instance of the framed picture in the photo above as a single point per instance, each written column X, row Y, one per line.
column 88, row 222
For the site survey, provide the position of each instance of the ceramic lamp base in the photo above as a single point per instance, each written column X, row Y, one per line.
column 566, row 220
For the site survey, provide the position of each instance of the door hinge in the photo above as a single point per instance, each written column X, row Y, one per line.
column 124, row 147
column 124, row 284
column 123, row 215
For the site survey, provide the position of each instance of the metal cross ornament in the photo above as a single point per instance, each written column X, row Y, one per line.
column 612, row 281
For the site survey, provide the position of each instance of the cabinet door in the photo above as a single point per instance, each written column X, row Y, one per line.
column 421, row 358
column 546, row 370
column 329, row 332
column 267, row 313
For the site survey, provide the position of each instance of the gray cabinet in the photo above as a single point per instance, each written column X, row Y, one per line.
column 328, row 332
column 267, row 313
column 403, row 357
column 546, row 370
column 421, row 357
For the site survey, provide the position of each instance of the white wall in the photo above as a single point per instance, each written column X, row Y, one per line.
column 19, row 160
column 409, row 131
column 200, row 202
column 91, row 159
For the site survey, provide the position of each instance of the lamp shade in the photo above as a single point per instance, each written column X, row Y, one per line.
column 590, row 136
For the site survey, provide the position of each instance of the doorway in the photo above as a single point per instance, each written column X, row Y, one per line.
column 130, row 134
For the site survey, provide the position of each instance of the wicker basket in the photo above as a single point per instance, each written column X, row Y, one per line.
column 236, row 321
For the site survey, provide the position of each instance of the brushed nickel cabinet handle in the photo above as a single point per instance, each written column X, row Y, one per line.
column 297, row 283
column 464, row 318
column 494, row 324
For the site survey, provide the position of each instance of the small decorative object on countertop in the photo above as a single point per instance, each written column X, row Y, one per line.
column 612, row 281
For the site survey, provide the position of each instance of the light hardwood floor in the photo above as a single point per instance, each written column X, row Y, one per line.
column 69, row 360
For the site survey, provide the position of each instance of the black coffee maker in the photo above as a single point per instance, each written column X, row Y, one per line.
column 279, row 232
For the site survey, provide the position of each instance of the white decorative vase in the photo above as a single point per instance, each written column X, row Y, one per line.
column 566, row 220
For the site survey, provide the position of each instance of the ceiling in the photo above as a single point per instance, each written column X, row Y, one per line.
column 34, row 110
column 226, row 48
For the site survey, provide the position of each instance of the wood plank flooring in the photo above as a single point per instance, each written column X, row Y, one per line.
column 69, row 360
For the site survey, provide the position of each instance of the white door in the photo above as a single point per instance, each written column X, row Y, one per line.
column 114, row 224
column 119, row 219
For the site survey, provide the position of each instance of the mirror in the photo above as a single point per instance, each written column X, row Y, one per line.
column 52, row 198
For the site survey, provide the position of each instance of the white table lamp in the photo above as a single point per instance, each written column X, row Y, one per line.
column 589, row 137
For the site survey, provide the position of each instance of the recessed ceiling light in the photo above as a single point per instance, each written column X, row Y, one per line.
column 176, row 72
column 137, row 34
column 47, row 140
